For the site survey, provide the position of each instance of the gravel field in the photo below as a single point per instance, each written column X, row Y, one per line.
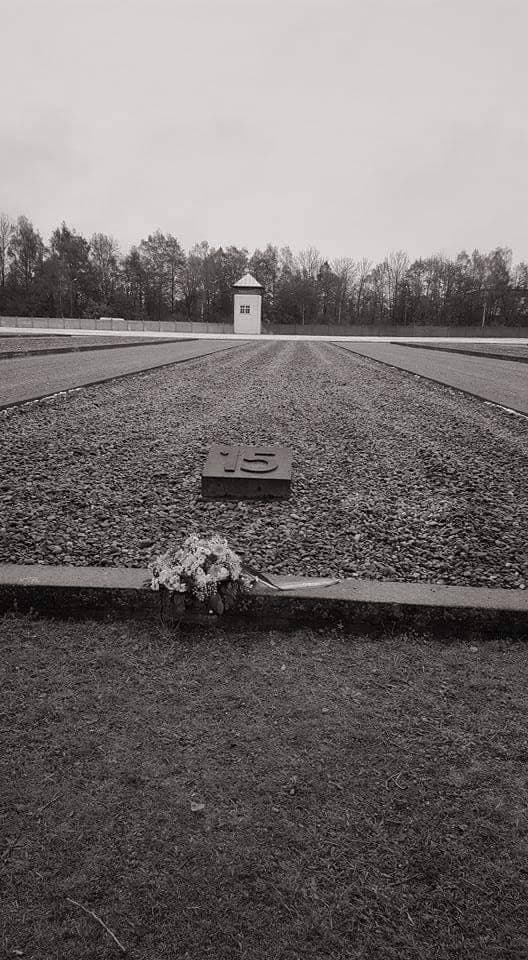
column 394, row 477
column 24, row 378
column 24, row 344
column 499, row 381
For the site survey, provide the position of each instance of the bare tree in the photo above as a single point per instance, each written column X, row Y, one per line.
column 191, row 283
column 310, row 262
column 344, row 270
column 395, row 268
column 6, row 232
column 104, row 254
column 364, row 268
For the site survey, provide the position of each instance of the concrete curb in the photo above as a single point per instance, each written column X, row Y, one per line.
column 124, row 592
column 15, row 354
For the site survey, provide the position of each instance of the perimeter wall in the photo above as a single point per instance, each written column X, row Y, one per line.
column 326, row 330
column 316, row 329
column 115, row 323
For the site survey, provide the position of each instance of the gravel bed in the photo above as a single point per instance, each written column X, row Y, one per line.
column 508, row 349
column 479, row 349
column 23, row 344
column 394, row 478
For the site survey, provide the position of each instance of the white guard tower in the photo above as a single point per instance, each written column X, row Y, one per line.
column 247, row 305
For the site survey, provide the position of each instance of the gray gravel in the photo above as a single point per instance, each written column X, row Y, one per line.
column 25, row 344
column 499, row 381
column 515, row 350
column 395, row 478
column 29, row 378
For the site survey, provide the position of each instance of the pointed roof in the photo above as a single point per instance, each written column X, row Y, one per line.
column 248, row 281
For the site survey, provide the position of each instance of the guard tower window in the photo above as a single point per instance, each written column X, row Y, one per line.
column 244, row 308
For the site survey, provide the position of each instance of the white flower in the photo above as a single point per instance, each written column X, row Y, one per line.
column 218, row 546
column 197, row 567
column 218, row 572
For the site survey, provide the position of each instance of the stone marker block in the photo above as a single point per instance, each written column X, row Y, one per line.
column 247, row 473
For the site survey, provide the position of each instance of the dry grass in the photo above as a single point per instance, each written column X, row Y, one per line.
column 361, row 799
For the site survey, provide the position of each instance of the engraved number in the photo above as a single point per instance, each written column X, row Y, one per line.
column 231, row 459
column 261, row 462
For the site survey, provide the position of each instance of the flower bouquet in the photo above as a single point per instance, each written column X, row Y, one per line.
column 203, row 573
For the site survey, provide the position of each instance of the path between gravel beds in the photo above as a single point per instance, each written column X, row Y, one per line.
column 498, row 381
column 26, row 378
column 394, row 478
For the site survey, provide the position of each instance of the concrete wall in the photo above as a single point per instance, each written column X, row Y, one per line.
column 171, row 326
column 329, row 330
column 115, row 323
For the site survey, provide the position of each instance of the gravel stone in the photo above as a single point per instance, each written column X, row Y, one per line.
column 505, row 349
column 394, row 478
column 23, row 344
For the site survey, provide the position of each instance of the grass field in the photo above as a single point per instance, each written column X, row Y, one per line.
column 360, row 799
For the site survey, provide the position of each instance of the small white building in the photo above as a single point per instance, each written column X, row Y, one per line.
column 247, row 305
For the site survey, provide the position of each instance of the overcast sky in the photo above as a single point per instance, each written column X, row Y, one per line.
column 356, row 126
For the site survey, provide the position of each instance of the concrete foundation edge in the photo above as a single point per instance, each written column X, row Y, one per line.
column 124, row 593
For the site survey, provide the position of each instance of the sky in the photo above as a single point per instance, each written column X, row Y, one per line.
column 358, row 127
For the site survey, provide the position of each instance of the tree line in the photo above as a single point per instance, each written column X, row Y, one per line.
column 72, row 276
